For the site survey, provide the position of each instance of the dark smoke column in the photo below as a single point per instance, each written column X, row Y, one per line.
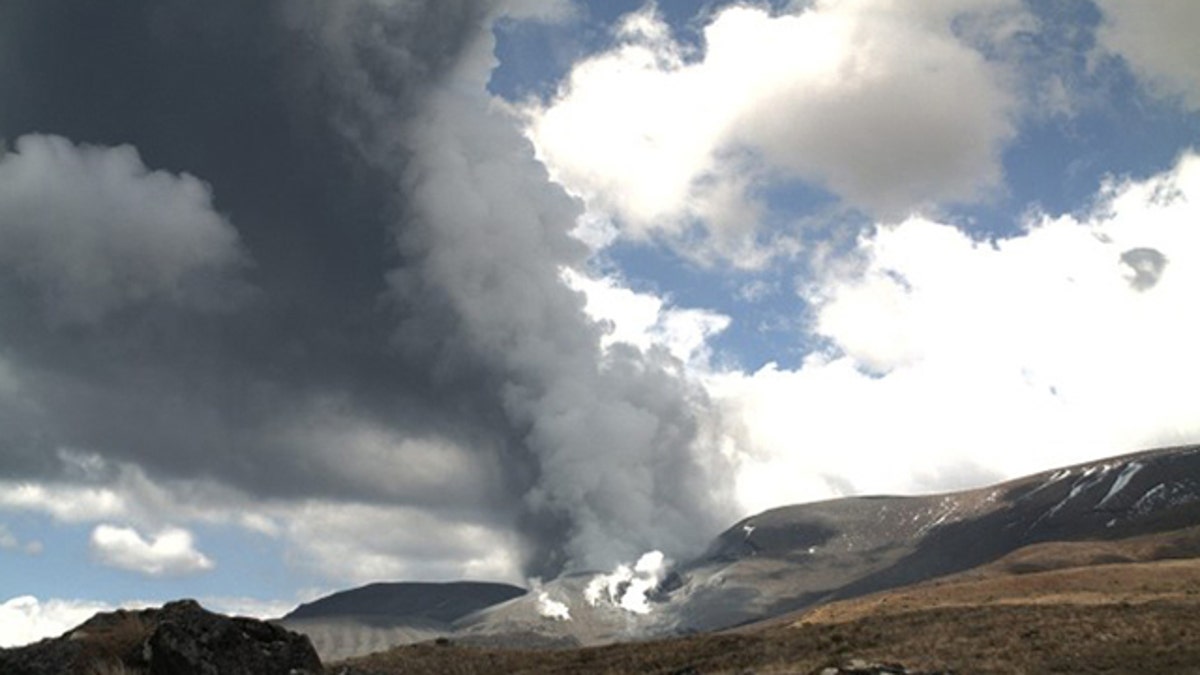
column 614, row 443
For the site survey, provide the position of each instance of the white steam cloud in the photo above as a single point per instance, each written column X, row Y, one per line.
column 629, row 587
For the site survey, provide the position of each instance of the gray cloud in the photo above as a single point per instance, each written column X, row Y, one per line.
column 89, row 230
column 407, row 317
column 1147, row 266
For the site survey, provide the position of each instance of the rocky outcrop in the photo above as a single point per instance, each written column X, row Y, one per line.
column 181, row 638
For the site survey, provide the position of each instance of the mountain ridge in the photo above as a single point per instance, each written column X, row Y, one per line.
column 792, row 557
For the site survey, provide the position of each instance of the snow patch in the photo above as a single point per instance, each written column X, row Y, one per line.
column 1054, row 478
column 1121, row 482
column 1165, row 495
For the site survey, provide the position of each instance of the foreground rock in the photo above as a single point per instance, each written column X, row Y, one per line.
column 181, row 638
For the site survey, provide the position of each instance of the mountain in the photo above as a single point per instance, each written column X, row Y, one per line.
column 380, row 615
column 181, row 638
column 791, row 558
column 1076, row 607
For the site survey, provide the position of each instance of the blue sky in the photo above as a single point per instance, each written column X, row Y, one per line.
column 799, row 249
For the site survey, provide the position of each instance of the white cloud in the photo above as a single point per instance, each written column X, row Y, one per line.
column 954, row 362
column 645, row 320
column 25, row 619
column 342, row 543
column 358, row 543
column 254, row 608
column 884, row 103
column 1158, row 39
column 171, row 552
column 92, row 230
column 68, row 503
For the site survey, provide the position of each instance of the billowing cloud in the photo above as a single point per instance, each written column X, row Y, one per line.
column 952, row 361
column 410, row 350
column 90, row 230
column 170, row 552
column 647, row 321
column 888, row 105
column 1158, row 41
column 615, row 438
column 26, row 619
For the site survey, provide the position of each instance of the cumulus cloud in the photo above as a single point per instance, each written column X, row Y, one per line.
column 647, row 321
column 1158, row 42
column 170, row 552
column 69, row 503
column 92, row 229
column 888, row 105
column 952, row 361
column 25, row 619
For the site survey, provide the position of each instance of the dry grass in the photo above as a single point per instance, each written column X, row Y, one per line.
column 1114, row 618
column 111, row 642
column 1170, row 581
